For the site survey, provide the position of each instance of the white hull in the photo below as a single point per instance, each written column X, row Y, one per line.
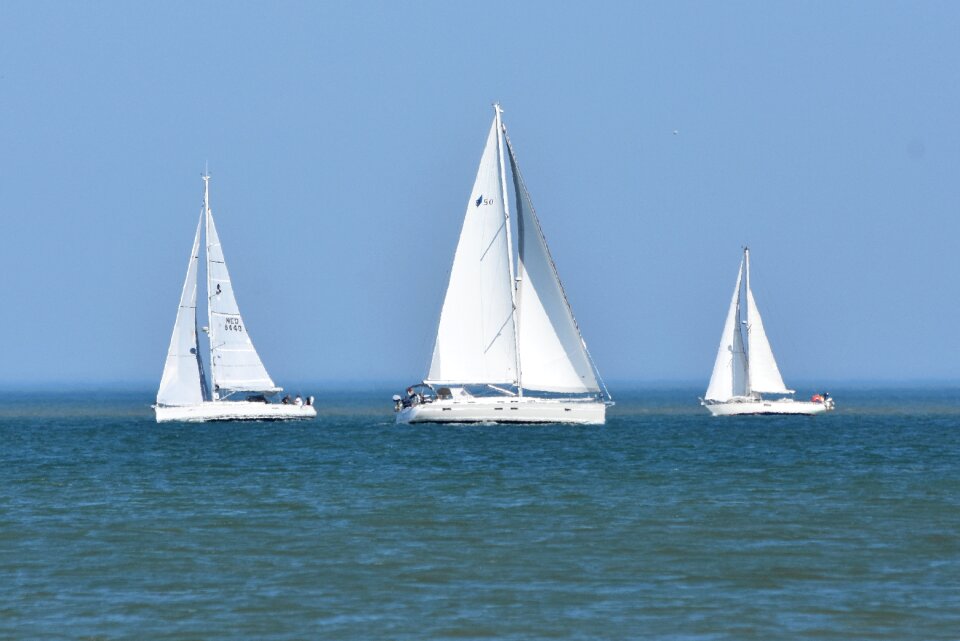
column 234, row 411
column 779, row 406
column 506, row 410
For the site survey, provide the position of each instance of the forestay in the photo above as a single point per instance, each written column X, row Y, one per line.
column 475, row 338
column 182, row 382
column 235, row 363
column 553, row 356
column 729, row 377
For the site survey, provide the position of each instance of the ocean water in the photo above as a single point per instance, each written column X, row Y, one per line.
column 663, row 524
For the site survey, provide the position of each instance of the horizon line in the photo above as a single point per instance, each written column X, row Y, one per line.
column 341, row 385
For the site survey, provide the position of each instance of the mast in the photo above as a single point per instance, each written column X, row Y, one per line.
column 506, row 216
column 215, row 393
column 746, row 259
column 746, row 344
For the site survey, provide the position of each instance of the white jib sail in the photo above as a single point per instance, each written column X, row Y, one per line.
column 729, row 377
column 552, row 353
column 235, row 363
column 475, row 337
column 764, row 373
column 181, row 383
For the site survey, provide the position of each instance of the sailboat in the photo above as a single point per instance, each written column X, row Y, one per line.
column 508, row 349
column 744, row 371
column 242, row 388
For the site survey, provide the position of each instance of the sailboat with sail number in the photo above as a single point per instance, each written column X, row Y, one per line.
column 508, row 348
column 241, row 385
column 745, row 370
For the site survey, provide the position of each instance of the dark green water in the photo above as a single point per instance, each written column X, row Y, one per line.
column 665, row 523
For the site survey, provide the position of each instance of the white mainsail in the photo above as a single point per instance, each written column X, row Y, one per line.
column 234, row 360
column 476, row 342
column 553, row 357
column 729, row 377
column 182, row 381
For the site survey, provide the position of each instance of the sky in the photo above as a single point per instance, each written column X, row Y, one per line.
column 656, row 139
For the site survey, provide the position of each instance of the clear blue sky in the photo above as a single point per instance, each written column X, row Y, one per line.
column 343, row 140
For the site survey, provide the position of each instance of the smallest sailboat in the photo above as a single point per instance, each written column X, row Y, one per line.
column 242, row 388
column 744, row 370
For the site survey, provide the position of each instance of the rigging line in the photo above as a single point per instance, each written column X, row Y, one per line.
column 497, row 335
column 493, row 240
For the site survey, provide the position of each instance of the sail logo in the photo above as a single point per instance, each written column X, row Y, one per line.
column 233, row 325
column 483, row 201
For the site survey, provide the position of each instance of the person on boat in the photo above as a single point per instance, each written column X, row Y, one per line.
column 285, row 400
column 298, row 401
column 816, row 398
column 411, row 398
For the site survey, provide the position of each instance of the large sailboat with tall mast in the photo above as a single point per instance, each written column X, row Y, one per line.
column 508, row 348
column 241, row 385
column 744, row 370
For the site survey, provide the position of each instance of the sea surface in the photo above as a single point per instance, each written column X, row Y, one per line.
column 663, row 524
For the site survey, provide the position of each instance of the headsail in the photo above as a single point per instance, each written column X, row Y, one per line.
column 729, row 377
column 475, row 337
column 553, row 357
column 764, row 373
column 234, row 360
column 182, row 382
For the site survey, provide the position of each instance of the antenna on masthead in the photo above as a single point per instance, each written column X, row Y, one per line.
column 206, row 185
